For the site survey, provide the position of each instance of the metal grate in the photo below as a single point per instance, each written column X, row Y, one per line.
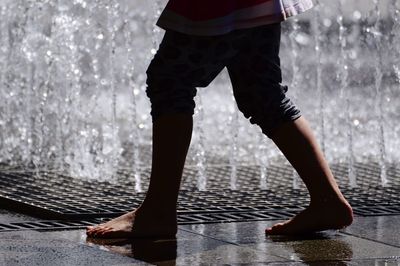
column 55, row 196
column 47, row 225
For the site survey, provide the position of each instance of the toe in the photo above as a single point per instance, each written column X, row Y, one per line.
column 106, row 232
column 103, row 230
column 91, row 229
column 274, row 229
column 96, row 231
column 269, row 230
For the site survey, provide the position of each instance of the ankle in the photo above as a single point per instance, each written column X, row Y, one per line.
column 337, row 207
column 156, row 210
column 338, row 201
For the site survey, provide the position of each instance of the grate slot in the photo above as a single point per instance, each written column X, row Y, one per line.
column 46, row 225
column 8, row 227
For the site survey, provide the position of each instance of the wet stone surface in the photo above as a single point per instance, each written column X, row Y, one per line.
column 384, row 229
column 367, row 242
column 329, row 245
column 34, row 248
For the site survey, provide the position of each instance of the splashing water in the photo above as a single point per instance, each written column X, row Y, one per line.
column 295, row 33
column 345, row 93
column 380, row 95
column 263, row 161
column 72, row 89
column 233, row 159
column 200, row 153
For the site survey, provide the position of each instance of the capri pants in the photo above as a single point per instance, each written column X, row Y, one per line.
column 185, row 62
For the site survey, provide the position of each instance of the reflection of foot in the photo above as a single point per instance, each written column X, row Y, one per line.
column 151, row 250
column 135, row 224
column 315, row 218
column 336, row 250
column 108, row 241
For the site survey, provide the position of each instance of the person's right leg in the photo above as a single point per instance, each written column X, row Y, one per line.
column 181, row 64
column 157, row 214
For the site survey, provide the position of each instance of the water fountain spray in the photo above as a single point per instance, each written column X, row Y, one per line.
column 233, row 157
column 321, row 90
column 295, row 30
column 200, row 147
column 65, row 66
column 345, row 93
column 380, row 93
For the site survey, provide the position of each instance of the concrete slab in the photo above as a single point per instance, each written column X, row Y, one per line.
column 35, row 248
column 330, row 248
column 385, row 229
column 369, row 241
column 188, row 248
column 326, row 246
column 366, row 262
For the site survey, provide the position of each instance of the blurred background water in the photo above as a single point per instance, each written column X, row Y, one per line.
column 72, row 89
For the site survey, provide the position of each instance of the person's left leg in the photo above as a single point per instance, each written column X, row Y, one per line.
column 328, row 207
column 256, row 78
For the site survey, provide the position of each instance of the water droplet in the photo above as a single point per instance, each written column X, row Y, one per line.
column 353, row 54
column 302, row 39
column 357, row 15
column 327, row 22
column 84, row 133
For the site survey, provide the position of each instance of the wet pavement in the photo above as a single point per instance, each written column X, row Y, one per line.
column 369, row 241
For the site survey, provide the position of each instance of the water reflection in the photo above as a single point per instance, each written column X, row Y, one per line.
column 316, row 248
column 150, row 250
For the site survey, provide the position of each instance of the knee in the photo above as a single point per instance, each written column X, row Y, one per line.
column 167, row 94
column 269, row 109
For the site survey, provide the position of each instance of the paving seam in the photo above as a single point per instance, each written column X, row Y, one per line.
column 366, row 238
column 207, row 236
column 239, row 245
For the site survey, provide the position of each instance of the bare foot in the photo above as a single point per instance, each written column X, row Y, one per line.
column 135, row 224
column 316, row 218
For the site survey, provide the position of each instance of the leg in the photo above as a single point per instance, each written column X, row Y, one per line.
column 328, row 208
column 179, row 66
column 157, row 214
column 256, row 78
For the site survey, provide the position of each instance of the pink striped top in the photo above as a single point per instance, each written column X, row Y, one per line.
column 214, row 17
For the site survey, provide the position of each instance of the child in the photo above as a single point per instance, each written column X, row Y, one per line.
column 202, row 37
